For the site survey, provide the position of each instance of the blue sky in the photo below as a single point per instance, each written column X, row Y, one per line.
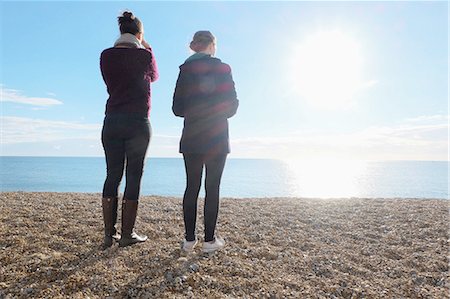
column 353, row 80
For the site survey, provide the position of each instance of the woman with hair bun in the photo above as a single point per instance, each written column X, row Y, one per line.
column 128, row 68
column 205, row 97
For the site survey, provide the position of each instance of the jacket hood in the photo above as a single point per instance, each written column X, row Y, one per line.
column 199, row 58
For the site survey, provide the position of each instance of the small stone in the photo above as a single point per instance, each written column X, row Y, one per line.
column 168, row 276
column 194, row 267
column 178, row 280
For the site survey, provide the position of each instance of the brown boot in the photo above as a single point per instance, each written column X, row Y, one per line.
column 129, row 212
column 109, row 206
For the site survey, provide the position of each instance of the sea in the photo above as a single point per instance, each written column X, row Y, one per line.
column 242, row 178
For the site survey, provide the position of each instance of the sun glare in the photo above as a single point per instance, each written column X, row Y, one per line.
column 325, row 177
column 327, row 69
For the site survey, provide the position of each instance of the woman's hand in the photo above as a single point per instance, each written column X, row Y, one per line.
column 145, row 44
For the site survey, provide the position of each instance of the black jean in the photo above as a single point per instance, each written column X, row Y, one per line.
column 194, row 167
column 125, row 139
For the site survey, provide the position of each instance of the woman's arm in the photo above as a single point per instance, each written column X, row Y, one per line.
column 179, row 95
column 154, row 74
column 230, row 103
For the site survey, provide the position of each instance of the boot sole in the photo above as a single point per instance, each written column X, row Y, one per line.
column 130, row 242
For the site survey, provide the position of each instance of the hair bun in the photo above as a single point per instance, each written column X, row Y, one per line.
column 129, row 23
column 201, row 40
column 127, row 16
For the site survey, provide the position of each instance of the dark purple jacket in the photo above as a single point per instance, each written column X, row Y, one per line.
column 206, row 97
column 128, row 73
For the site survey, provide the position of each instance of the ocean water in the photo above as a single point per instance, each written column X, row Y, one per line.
column 241, row 178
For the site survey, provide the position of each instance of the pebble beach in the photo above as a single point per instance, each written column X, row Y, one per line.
column 50, row 247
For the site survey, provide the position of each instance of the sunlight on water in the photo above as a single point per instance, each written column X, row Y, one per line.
column 325, row 178
column 242, row 177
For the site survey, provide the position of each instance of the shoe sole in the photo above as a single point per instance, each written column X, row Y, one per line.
column 212, row 250
column 189, row 250
column 129, row 242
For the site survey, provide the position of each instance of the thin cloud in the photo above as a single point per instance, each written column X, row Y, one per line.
column 28, row 136
column 407, row 140
column 425, row 138
column 25, row 130
column 169, row 137
column 369, row 84
column 428, row 118
column 16, row 96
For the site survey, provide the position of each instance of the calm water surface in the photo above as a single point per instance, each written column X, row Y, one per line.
column 242, row 177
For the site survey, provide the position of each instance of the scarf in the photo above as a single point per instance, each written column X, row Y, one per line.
column 128, row 40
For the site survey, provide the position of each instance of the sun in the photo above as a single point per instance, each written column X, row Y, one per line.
column 327, row 69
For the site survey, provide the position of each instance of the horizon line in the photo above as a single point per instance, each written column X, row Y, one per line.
column 236, row 158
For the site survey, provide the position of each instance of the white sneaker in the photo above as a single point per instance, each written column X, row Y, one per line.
column 212, row 246
column 188, row 246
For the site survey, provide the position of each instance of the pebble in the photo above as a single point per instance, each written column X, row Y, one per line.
column 178, row 280
column 271, row 255
column 168, row 276
column 194, row 267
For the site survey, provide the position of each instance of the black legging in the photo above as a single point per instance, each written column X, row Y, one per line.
column 125, row 140
column 194, row 167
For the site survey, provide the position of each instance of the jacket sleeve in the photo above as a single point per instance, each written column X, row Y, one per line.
column 179, row 95
column 154, row 74
column 234, row 102
column 230, row 102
